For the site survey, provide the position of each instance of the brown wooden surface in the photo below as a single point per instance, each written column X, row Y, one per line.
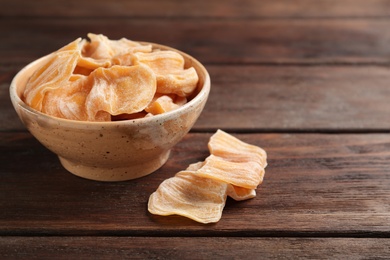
column 188, row 248
column 202, row 8
column 231, row 41
column 355, row 168
column 305, row 80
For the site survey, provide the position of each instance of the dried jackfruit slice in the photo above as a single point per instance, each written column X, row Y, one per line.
column 201, row 190
column 105, row 92
column 120, row 90
column 67, row 67
column 195, row 166
column 101, row 50
column 164, row 103
column 172, row 78
column 188, row 195
column 180, row 82
column 231, row 148
column 242, row 174
column 55, row 72
column 89, row 64
column 113, row 47
column 161, row 62
column 239, row 193
column 99, row 47
column 126, row 59
column 235, row 192
column 51, row 75
column 68, row 101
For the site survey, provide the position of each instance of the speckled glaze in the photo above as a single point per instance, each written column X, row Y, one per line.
column 112, row 151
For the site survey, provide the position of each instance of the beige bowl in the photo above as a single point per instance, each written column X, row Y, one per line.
column 112, row 151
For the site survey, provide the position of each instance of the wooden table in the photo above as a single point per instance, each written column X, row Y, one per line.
column 309, row 81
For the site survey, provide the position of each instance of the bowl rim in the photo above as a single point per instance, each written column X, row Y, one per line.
column 202, row 94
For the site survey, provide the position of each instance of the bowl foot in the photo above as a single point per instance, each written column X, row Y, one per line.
column 110, row 174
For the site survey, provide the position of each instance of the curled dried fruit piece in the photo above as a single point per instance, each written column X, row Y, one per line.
column 242, row 174
column 182, row 82
column 231, row 148
column 172, row 77
column 68, row 101
column 105, row 80
column 201, row 190
column 100, row 47
column 126, row 59
column 54, row 73
column 239, row 193
column 105, row 92
column 161, row 62
column 188, row 195
column 120, row 90
column 235, row 192
column 103, row 52
column 164, row 103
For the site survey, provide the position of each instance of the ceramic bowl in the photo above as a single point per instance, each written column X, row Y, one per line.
column 112, row 151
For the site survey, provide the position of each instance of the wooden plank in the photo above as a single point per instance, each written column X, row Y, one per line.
column 315, row 185
column 340, row 41
column 294, row 98
column 278, row 99
column 197, row 9
column 8, row 117
column 200, row 248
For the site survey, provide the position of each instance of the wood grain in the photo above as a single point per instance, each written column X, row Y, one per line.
column 188, row 248
column 315, row 185
column 296, row 98
column 277, row 99
column 197, row 9
column 335, row 41
column 8, row 117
